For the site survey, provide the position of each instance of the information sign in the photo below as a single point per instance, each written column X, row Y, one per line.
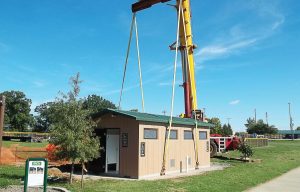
column 36, row 173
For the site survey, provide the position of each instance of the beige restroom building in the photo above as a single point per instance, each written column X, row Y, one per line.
column 133, row 144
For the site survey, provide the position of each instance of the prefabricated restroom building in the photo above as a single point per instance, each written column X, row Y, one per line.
column 133, row 144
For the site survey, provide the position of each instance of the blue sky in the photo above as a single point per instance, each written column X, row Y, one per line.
column 247, row 56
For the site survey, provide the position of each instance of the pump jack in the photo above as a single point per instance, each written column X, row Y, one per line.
column 187, row 55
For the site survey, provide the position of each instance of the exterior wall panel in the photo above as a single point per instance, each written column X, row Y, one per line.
column 179, row 149
column 128, row 155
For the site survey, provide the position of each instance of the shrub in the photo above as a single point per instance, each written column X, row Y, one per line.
column 245, row 149
column 50, row 148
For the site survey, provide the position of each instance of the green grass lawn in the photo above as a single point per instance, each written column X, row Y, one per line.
column 24, row 144
column 11, row 175
column 278, row 158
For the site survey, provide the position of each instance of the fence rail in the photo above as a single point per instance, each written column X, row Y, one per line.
column 22, row 155
column 25, row 136
column 257, row 142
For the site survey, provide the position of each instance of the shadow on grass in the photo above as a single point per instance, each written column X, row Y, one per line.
column 56, row 180
column 223, row 158
column 10, row 176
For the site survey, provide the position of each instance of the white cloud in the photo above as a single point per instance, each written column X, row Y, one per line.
column 169, row 83
column 218, row 50
column 234, row 102
column 38, row 84
column 266, row 19
column 277, row 23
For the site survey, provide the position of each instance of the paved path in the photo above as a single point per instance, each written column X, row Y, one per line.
column 289, row 182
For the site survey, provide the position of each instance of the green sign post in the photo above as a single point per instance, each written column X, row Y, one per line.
column 36, row 172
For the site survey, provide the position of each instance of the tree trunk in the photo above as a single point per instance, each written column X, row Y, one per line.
column 82, row 170
column 71, row 173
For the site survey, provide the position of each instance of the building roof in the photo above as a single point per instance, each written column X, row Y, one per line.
column 285, row 132
column 153, row 118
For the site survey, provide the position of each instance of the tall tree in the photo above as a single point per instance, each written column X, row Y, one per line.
column 44, row 117
column 227, row 130
column 218, row 126
column 72, row 129
column 95, row 103
column 250, row 122
column 298, row 128
column 260, row 128
column 17, row 112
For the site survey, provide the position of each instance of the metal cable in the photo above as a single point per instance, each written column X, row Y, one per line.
column 163, row 169
column 139, row 63
column 126, row 60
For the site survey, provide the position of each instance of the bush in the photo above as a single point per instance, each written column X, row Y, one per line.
column 245, row 149
column 51, row 148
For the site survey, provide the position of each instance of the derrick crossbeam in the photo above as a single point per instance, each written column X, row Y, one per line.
column 144, row 4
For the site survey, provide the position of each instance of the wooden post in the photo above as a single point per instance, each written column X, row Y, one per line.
column 2, row 111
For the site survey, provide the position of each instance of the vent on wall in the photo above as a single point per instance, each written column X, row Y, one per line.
column 172, row 163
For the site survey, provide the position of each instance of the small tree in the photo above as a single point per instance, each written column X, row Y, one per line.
column 245, row 149
column 72, row 130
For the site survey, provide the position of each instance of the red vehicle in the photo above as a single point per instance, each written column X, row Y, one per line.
column 219, row 143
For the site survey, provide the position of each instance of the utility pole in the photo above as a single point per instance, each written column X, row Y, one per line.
column 267, row 121
column 255, row 115
column 2, row 111
column 204, row 112
column 291, row 122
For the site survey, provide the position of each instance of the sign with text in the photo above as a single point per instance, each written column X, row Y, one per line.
column 36, row 173
column 124, row 139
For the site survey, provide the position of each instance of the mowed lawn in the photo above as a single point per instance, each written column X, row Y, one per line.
column 278, row 158
column 24, row 144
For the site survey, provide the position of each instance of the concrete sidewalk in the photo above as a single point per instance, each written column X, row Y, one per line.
column 289, row 181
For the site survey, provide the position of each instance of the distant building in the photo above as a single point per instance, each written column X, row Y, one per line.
column 287, row 134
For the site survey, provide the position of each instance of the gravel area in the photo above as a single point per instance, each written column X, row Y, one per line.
column 20, row 188
column 212, row 167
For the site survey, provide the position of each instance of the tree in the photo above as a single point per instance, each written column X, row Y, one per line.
column 45, row 116
column 250, row 122
column 44, row 119
column 226, row 130
column 17, row 111
column 72, row 129
column 218, row 127
column 298, row 128
column 95, row 103
column 260, row 127
column 245, row 149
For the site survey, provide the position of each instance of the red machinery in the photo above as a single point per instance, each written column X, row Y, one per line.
column 219, row 143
